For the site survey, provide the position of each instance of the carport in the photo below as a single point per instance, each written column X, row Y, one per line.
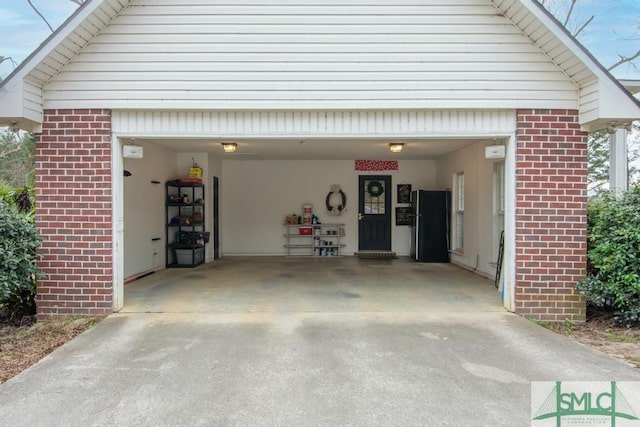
column 286, row 159
column 269, row 177
column 264, row 285
column 309, row 84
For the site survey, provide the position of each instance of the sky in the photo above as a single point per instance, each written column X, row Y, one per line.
column 615, row 29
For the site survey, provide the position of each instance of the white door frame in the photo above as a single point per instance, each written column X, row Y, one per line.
column 117, row 206
column 509, row 256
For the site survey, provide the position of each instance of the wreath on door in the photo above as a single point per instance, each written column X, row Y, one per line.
column 375, row 188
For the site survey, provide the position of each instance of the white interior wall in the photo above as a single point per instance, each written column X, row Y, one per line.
column 256, row 196
column 479, row 206
column 144, row 203
column 144, row 216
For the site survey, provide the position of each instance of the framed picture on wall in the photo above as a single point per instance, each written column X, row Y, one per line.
column 404, row 193
column 403, row 215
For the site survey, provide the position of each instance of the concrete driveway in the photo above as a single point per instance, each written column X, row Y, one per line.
column 367, row 361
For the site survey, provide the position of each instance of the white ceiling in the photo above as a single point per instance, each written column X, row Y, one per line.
column 320, row 149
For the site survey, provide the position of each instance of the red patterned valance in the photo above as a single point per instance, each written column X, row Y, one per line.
column 376, row 165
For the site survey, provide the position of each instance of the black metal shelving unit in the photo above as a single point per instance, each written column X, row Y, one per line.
column 185, row 230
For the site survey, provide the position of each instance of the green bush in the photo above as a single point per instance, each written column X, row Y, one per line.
column 614, row 255
column 19, row 241
column 22, row 198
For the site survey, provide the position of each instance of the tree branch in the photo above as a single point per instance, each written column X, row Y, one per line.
column 8, row 58
column 9, row 152
column 569, row 13
column 583, row 26
column 40, row 15
column 624, row 60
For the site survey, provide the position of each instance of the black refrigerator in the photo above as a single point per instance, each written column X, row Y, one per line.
column 430, row 228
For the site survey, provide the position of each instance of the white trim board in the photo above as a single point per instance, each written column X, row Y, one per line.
column 360, row 123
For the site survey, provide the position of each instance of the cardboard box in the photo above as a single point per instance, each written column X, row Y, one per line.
column 291, row 219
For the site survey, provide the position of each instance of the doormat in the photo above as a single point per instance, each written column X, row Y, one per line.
column 376, row 255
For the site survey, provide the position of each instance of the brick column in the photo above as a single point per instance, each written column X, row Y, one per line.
column 73, row 213
column 551, row 214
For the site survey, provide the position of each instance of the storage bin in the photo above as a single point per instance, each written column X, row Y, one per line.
column 189, row 256
column 305, row 231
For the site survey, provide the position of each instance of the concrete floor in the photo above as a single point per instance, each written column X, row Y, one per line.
column 305, row 342
column 312, row 285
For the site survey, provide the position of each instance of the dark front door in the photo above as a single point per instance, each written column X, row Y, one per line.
column 374, row 213
column 216, row 217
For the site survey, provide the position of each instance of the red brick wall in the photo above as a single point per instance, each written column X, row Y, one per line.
column 551, row 203
column 73, row 213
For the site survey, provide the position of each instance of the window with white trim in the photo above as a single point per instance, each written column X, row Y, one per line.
column 458, row 186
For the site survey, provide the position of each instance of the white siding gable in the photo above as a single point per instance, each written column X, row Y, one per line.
column 316, row 54
column 23, row 99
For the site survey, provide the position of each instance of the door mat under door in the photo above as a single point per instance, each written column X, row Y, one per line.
column 376, row 254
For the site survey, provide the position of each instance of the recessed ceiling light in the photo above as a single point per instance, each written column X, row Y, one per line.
column 396, row 147
column 229, row 147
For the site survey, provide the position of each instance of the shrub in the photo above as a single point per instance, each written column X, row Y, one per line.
column 22, row 198
column 614, row 255
column 19, row 241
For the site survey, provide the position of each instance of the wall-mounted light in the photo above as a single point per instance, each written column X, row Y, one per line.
column 132, row 151
column 229, row 147
column 495, row 152
column 612, row 128
column 396, row 147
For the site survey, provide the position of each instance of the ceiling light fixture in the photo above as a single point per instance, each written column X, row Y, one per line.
column 229, row 147
column 396, row 147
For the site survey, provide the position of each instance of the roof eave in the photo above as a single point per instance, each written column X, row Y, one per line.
column 632, row 86
column 50, row 43
column 616, row 101
column 11, row 108
column 583, row 54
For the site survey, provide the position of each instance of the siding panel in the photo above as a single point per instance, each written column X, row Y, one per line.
column 290, row 54
column 362, row 123
column 589, row 97
column 32, row 96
